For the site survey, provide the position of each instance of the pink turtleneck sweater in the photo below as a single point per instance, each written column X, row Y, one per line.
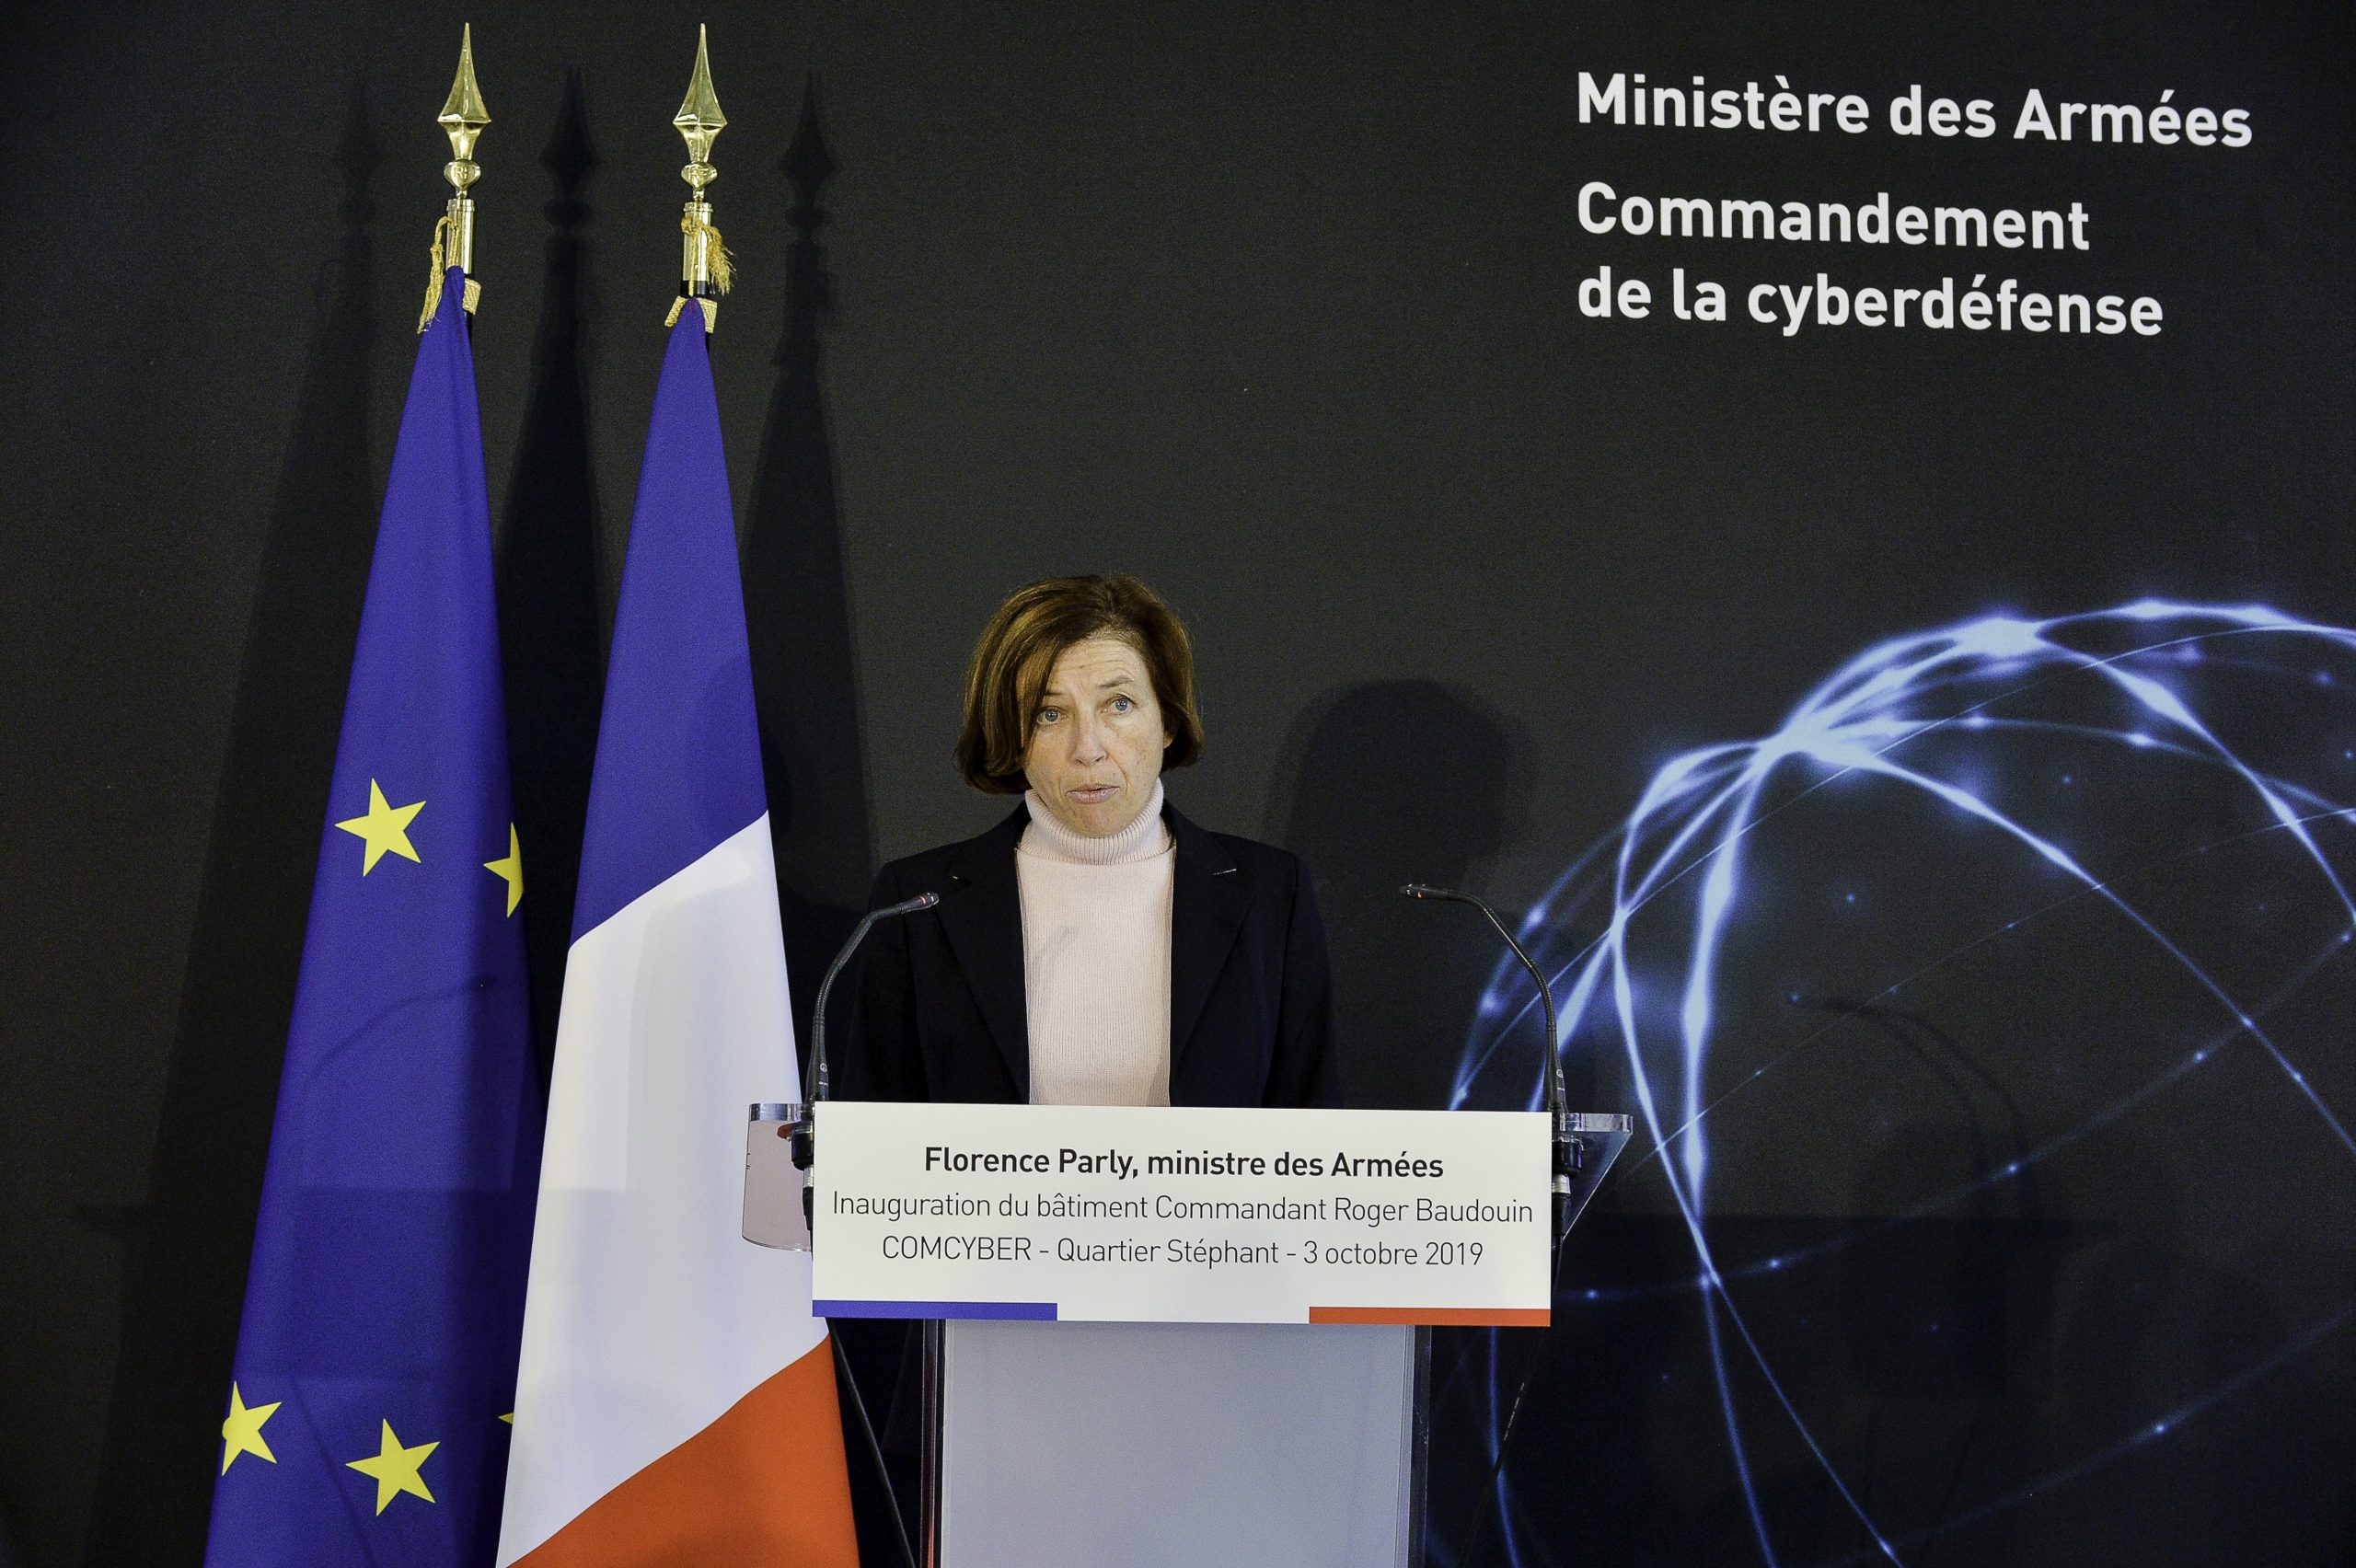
column 1096, row 959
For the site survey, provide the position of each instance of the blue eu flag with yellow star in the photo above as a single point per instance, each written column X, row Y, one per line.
column 375, row 1370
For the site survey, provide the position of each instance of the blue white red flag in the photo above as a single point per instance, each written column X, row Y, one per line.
column 677, row 1399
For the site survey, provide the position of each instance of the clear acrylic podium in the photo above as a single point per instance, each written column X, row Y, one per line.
column 1141, row 1444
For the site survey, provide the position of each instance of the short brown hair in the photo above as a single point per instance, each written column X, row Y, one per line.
column 1019, row 649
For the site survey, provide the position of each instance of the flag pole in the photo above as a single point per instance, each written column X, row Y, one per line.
column 704, row 267
column 463, row 117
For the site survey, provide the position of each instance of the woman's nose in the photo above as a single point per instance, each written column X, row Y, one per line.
column 1087, row 742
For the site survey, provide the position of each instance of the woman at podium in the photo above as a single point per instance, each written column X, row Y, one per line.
column 1096, row 947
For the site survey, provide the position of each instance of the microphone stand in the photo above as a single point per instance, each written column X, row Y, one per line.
column 1570, row 1158
column 801, row 1121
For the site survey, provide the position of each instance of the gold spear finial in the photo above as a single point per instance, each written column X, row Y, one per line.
column 699, row 120
column 463, row 117
column 704, row 267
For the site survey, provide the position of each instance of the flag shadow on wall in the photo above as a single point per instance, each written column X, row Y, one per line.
column 797, row 612
column 550, row 623
column 186, row 1245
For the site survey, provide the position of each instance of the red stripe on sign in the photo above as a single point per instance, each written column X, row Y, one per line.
column 1435, row 1317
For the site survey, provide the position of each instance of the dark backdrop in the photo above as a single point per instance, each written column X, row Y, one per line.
column 1275, row 306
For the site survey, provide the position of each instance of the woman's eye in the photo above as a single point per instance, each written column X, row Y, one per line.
column 1123, row 704
column 1049, row 714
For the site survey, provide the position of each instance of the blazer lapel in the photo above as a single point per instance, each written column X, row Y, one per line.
column 1208, row 901
column 982, row 911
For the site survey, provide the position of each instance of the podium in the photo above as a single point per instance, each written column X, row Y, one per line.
column 1257, row 1445
column 1173, row 1335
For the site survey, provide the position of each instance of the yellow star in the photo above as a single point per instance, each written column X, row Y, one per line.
column 511, row 870
column 385, row 827
column 509, row 1418
column 394, row 1468
column 242, row 1432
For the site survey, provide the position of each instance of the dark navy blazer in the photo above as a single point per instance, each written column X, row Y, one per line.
column 940, row 1013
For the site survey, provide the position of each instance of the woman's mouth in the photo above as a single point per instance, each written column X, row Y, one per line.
column 1094, row 794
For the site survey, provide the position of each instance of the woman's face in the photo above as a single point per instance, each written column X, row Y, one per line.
column 1097, row 738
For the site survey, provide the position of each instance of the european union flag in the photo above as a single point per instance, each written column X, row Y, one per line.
column 377, row 1358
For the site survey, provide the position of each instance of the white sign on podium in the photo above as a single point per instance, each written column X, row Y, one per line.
column 1180, row 1215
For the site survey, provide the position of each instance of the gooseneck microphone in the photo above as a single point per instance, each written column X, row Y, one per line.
column 816, row 1090
column 1556, row 1099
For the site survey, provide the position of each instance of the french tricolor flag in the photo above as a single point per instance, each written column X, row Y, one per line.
column 675, row 1402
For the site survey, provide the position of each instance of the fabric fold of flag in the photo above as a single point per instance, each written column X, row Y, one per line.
column 675, row 1399
column 376, row 1357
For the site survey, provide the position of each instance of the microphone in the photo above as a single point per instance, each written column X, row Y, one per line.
column 816, row 1090
column 1552, row 1080
column 1558, row 1109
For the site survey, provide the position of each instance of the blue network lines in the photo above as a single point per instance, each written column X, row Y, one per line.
column 2010, row 731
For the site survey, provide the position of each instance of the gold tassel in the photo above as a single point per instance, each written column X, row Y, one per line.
column 724, row 266
column 433, row 281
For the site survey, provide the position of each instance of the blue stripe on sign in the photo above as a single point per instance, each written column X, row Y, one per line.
column 1016, row 1312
